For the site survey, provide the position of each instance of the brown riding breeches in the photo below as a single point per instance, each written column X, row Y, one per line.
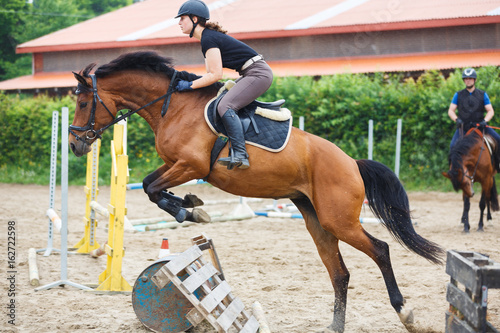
column 253, row 82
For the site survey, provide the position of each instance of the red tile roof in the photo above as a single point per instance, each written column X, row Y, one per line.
column 151, row 22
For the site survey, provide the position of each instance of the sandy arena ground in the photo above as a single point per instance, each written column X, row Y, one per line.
column 270, row 260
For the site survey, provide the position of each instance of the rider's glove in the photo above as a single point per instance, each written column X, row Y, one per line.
column 183, row 85
column 459, row 122
column 482, row 124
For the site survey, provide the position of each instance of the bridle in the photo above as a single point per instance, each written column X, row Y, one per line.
column 475, row 167
column 90, row 132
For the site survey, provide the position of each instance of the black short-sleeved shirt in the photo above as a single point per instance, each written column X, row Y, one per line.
column 234, row 53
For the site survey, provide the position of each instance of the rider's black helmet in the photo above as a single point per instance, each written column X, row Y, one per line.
column 196, row 8
column 469, row 73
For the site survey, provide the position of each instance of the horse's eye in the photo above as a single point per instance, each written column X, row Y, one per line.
column 83, row 105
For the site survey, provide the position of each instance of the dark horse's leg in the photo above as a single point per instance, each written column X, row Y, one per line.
column 488, row 211
column 465, row 213
column 173, row 205
column 482, row 205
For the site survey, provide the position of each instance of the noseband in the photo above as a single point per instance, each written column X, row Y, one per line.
column 90, row 132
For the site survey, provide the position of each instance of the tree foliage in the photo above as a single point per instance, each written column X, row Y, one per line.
column 337, row 108
column 21, row 22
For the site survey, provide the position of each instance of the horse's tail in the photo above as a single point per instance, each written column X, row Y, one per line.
column 389, row 202
column 494, row 197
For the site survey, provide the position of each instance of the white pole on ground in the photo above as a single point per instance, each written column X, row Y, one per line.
column 301, row 122
column 398, row 147
column 370, row 139
column 64, row 209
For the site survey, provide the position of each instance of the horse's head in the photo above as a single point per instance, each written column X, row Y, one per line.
column 134, row 81
column 94, row 110
column 464, row 161
column 461, row 180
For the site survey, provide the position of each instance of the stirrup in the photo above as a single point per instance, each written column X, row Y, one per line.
column 230, row 162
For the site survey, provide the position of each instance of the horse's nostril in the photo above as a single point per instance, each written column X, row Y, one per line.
column 72, row 146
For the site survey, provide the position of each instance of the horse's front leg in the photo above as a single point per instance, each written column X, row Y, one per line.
column 189, row 201
column 156, row 184
column 482, row 205
column 465, row 213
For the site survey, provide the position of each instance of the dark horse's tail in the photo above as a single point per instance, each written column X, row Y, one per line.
column 389, row 202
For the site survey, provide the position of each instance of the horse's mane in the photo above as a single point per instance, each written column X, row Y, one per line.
column 149, row 61
column 462, row 148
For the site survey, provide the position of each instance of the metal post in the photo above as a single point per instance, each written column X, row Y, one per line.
column 52, row 187
column 370, row 139
column 398, row 147
column 64, row 209
column 301, row 122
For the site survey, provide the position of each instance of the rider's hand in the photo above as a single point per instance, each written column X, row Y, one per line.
column 183, row 85
column 482, row 124
column 459, row 122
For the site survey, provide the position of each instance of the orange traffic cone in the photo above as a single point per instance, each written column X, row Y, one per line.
column 164, row 250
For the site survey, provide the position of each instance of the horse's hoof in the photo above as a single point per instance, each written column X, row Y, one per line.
column 200, row 216
column 480, row 229
column 465, row 231
column 191, row 201
column 406, row 316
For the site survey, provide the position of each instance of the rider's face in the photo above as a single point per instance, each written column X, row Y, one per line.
column 185, row 24
column 469, row 83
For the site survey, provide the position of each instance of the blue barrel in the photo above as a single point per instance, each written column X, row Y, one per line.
column 160, row 310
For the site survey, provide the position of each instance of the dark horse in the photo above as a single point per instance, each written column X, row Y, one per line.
column 326, row 185
column 471, row 161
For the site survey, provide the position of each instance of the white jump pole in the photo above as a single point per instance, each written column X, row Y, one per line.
column 64, row 210
column 398, row 147
column 370, row 139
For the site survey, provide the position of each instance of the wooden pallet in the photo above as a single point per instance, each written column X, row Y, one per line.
column 468, row 309
column 216, row 303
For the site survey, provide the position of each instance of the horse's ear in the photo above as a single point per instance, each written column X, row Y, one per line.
column 81, row 79
column 446, row 174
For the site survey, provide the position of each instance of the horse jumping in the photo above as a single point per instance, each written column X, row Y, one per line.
column 470, row 162
column 326, row 185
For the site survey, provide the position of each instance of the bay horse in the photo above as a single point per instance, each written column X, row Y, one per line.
column 326, row 185
column 471, row 161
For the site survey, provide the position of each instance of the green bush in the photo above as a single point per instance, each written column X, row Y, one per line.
column 337, row 108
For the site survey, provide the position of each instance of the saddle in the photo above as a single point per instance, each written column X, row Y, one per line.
column 265, row 125
column 493, row 147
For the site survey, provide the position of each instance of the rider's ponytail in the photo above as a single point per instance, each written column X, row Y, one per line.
column 212, row 26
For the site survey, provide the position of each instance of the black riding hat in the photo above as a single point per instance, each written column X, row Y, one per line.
column 196, row 8
column 469, row 73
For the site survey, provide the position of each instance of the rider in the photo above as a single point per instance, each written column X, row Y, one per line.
column 221, row 50
column 471, row 103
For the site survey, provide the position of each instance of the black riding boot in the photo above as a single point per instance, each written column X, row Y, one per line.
column 238, row 155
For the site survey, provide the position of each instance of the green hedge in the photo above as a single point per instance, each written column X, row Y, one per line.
column 336, row 107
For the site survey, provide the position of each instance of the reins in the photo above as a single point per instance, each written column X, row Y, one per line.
column 89, row 128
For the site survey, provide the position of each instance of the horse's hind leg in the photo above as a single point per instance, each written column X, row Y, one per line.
column 328, row 249
column 347, row 228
